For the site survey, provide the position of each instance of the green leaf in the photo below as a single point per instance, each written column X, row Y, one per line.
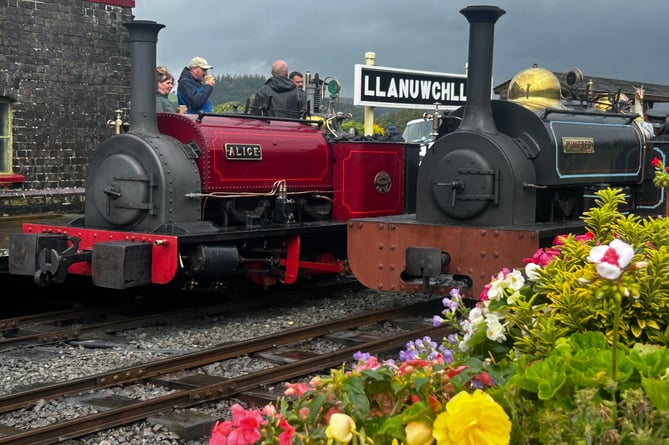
column 657, row 391
column 356, row 397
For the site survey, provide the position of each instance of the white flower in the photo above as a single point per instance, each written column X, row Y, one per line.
column 496, row 289
column 608, row 271
column 531, row 271
column 515, row 280
column 610, row 260
column 476, row 317
column 495, row 329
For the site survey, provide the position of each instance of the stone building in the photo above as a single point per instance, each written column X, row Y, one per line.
column 64, row 70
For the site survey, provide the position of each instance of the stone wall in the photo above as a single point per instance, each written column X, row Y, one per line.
column 65, row 64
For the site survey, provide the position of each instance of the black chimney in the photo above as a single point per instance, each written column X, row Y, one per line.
column 143, row 39
column 478, row 112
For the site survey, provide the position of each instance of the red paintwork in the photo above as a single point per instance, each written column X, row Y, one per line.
column 165, row 251
column 354, row 180
column 297, row 153
column 292, row 151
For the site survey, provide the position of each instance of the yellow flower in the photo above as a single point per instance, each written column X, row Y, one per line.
column 472, row 419
column 418, row 433
column 340, row 428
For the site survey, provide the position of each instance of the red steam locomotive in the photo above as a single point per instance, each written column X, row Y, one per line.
column 206, row 201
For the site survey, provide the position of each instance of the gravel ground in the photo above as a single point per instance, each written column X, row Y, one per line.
column 21, row 368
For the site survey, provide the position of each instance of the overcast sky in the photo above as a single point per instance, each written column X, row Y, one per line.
column 618, row 39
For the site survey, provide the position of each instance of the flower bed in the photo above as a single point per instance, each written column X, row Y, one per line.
column 571, row 350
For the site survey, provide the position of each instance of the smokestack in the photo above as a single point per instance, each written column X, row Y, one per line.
column 143, row 39
column 478, row 111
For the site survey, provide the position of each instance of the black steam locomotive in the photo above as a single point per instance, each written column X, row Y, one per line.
column 515, row 173
column 213, row 200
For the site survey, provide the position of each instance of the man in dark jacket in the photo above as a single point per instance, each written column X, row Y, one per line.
column 279, row 97
column 195, row 86
column 658, row 118
column 393, row 134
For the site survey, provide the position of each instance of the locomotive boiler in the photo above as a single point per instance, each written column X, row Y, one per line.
column 213, row 200
column 514, row 174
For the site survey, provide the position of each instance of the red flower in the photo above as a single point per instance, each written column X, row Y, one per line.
column 219, row 434
column 411, row 365
column 244, row 429
column 286, row 436
column 296, row 389
column 542, row 256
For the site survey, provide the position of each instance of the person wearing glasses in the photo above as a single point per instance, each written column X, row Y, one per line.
column 195, row 86
column 165, row 83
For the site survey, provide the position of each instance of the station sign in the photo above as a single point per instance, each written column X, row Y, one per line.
column 377, row 86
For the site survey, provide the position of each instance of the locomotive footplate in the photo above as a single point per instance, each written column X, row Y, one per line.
column 442, row 256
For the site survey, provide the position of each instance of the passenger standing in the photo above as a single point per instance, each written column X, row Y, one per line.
column 393, row 134
column 165, row 83
column 279, row 96
column 658, row 118
column 195, row 87
column 298, row 79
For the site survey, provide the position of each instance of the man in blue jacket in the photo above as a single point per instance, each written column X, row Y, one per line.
column 195, row 86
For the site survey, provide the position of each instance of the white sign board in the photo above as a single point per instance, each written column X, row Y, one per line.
column 377, row 86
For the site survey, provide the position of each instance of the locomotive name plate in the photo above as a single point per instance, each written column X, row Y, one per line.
column 572, row 145
column 243, row 152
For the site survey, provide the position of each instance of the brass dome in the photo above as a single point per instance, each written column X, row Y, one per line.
column 535, row 88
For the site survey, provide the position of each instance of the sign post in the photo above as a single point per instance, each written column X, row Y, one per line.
column 370, row 58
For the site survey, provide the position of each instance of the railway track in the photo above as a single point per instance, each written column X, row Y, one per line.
column 77, row 323
column 186, row 391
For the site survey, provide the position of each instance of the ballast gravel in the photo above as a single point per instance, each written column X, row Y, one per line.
column 21, row 368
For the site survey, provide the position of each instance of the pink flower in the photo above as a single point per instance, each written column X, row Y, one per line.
column 244, row 429
column 371, row 363
column 612, row 259
column 560, row 239
column 286, row 436
column 219, row 434
column 542, row 256
column 296, row 389
column 411, row 365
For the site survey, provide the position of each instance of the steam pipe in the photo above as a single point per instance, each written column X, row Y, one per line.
column 143, row 39
column 478, row 110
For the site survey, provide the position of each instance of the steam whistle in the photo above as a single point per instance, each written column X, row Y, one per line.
column 117, row 124
column 435, row 119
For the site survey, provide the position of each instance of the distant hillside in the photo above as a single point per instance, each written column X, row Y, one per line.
column 239, row 88
column 236, row 88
